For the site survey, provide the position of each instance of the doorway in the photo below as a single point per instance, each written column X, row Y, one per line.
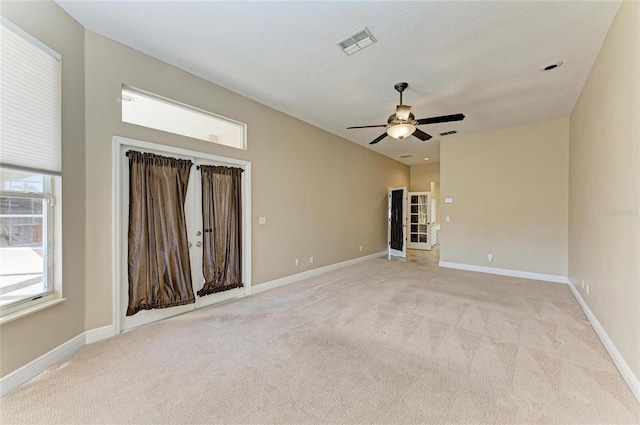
column 194, row 225
column 397, row 233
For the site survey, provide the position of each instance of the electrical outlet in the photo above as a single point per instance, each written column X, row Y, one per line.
column 360, row 248
column 587, row 289
column 297, row 261
column 490, row 258
column 311, row 260
column 582, row 283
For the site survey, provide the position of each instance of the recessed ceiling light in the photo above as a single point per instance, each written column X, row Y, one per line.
column 552, row 66
column 426, row 159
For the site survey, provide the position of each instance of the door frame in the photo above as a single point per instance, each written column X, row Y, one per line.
column 118, row 144
column 395, row 252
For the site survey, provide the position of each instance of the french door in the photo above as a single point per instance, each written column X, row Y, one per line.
column 419, row 213
column 397, row 222
column 193, row 215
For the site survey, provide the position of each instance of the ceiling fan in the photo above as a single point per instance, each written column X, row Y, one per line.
column 403, row 124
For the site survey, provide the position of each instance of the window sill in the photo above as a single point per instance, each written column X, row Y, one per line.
column 29, row 310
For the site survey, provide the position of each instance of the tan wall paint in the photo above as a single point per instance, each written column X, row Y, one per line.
column 423, row 175
column 510, row 191
column 604, row 186
column 435, row 194
column 27, row 338
column 426, row 178
column 322, row 195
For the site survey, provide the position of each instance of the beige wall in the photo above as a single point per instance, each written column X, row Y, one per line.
column 322, row 195
column 510, row 191
column 27, row 338
column 604, row 187
column 426, row 178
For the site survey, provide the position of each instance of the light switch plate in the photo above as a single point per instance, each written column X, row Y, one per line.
column 262, row 220
column 448, row 200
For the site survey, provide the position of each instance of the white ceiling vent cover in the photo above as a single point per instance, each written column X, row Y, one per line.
column 404, row 155
column 357, row 41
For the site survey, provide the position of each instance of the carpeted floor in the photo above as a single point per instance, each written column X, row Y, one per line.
column 378, row 342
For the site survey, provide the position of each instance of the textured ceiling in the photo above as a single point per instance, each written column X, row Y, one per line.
column 482, row 59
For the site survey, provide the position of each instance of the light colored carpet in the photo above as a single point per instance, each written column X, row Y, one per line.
column 378, row 342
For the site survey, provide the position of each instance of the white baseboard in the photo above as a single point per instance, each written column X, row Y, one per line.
column 98, row 334
column 311, row 273
column 624, row 369
column 32, row 369
column 19, row 376
column 505, row 272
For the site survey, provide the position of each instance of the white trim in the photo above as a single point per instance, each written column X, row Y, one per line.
column 98, row 334
column 312, row 273
column 118, row 142
column 116, row 241
column 624, row 369
column 32, row 369
column 505, row 272
column 24, row 311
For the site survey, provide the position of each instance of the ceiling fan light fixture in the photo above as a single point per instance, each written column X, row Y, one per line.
column 400, row 131
column 402, row 112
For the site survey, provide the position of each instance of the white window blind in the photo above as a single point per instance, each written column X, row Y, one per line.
column 30, row 102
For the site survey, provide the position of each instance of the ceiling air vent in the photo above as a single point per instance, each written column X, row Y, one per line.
column 404, row 155
column 447, row 133
column 357, row 41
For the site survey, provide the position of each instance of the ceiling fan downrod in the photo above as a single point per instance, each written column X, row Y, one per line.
column 400, row 87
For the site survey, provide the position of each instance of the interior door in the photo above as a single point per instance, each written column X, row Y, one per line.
column 419, row 213
column 397, row 222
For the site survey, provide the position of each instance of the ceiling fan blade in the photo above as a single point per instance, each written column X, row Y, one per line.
column 368, row 126
column 421, row 135
column 444, row 118
column 377, row 139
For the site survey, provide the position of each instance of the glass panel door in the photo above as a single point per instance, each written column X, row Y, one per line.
column 419, row 220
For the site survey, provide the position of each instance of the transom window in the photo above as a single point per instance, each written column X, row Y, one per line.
column 148, row 110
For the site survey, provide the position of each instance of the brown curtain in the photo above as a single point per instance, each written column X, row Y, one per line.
column 159, row 269
column 221, row 222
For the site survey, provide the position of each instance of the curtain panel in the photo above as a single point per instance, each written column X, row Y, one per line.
column 158, row 255
column 222, row 225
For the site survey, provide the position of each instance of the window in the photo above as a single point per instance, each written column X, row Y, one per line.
column 30, row 168
column 26, row 220
column 155, row 112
